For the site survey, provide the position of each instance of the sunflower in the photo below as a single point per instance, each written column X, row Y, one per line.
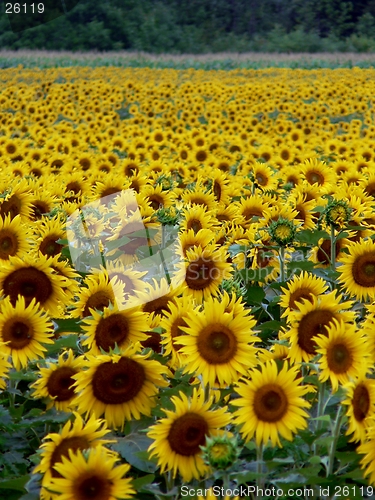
column 206, row 268
column 91, row 475
column 190, row 239
column 252, row 207
column 77, row 435
column 33, row 278
column 173, row 320
column 218, row 344
column 221, row 186
column 5, row 366
column 24, row 329
column 130, row 278
column 16, row 200
column 156, row 298
column 99, row 291
column 313, row 318
column 361, row 405
column 368, row 449
column 197, row 217
column 271, row 404
column 301, row 287
column 317, row 172
column 264, row 176
column 179, row 436
column 121, row 387
column 357, row 272
column 113, row 326
column 344, row 352
column 13, row 237
column 48, row 232
column 55, row 382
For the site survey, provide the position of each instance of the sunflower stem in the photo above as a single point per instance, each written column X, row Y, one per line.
column 333, row 248
column 282, row 263
column 320, row 410
column 335, row 434
column 225, row 484
column 259, row 481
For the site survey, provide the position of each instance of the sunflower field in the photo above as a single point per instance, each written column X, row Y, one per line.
column 241, row 364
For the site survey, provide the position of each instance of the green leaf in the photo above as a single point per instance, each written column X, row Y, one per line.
column 65, row 342
column 142, row 481
column 15, row 484
column 67, row 325
column 255, row 295
column 311, row 237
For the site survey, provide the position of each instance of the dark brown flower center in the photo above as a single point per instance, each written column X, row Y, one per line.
column 339, row 358
column 60, row 383
column 8, row 244
column 28, row 282
column 62, row 450
column 10, row 207
column 195, row 225
column 270, row 403
column 315, row 177
column 92, row 487
column 251, row 212
column 19, row 334
column 363, row 270
column 200, row 273
column 117, row 383
column 98, row 300
column 49, row 247
column 157, row 306
column 187, row 434
column 298, row 295
column 217, row 344
column 110, row 331
column 361, row 402
column 312, row 324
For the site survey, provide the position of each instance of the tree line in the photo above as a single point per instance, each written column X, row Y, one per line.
column 196, row 26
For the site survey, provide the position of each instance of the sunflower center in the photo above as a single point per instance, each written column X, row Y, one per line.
column 315, row 177
column 195, row 225
column 200, row 273
column 187, row 434
column 298, row 295
column 117, row 383
column 29, row 282
column 110, row 331
column 270, row 403
column 339, row 358
column 62, row 450
column 60, row 383
column 363, row 270
column 251, row 212
column 217, row 190
column 8, row 244
column 360, row 402
column 93, row 487
column 98, row 300
column 11, row 207
column 312, row 324
column 17, row 333
column 157, row 306
column 49, row 246
column 217, row 344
